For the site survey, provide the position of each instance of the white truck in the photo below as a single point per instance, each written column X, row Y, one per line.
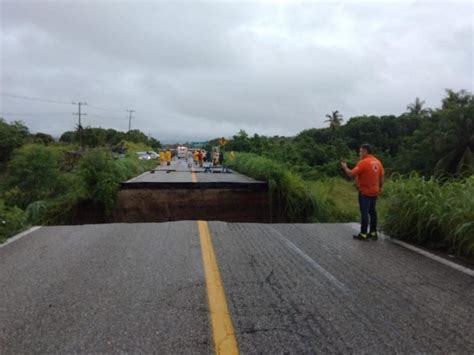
column 182, row 152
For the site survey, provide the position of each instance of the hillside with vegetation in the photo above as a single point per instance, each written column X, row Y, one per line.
column 431, row 142
column 44, row 181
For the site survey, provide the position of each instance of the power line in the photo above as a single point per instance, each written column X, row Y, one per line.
column 108, row 118
column 33, row 113
column 54, row 101
column 33, row 98
column 79, row 113
column 105, row 109
column 58, row 113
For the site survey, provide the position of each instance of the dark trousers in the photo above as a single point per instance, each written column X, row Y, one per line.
column 367, row 209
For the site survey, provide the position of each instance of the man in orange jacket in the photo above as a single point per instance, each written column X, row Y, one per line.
column 369, row 174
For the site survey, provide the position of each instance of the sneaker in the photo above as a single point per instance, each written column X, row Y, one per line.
column 360, row 236
column 373, row 236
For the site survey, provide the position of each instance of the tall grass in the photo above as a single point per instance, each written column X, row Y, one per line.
column 339, row 198
column 438, row 214
column 288, row 192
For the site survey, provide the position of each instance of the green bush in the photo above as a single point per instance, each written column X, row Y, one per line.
column 102, row 176
column 12, row 136
column 58, row 210
column 34, row 174
column 130, row 167
column 12, row 221
column 438, row 214
column 35, row 211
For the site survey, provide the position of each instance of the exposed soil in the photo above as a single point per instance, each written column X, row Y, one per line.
column 161, row 205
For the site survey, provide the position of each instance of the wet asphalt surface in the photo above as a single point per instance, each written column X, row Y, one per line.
column 290, row 288
column 180, row 172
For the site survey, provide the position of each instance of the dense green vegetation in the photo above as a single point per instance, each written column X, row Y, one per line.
column 50, row 195
column 288, row 191
column 430, row 142
column 15, row 134
column 12, row 136
column 43, row 181
column 12, row 221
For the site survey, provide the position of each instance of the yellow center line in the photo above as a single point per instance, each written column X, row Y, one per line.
column 193, row 175
column 222, row 328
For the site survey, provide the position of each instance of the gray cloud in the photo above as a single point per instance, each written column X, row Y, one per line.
column 197, row 70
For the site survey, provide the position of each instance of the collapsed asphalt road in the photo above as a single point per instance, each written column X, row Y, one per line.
column 289, row 288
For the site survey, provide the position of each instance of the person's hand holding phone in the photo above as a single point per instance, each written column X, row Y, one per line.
column 344, row 163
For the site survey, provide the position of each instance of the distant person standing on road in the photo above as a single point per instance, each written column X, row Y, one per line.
column 168, row 157
column 162, row 157
column 190, row 159
column 200, row 158
column 369, row 175
column 215, row 157
column 220, row 159
column 195, row 156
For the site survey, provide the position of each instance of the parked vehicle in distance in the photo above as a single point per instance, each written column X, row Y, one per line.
column 147, row 155
column 153, row 154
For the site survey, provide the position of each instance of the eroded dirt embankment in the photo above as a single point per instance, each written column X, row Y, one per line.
column 150, row 203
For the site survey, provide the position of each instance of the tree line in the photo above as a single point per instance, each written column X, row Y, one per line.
column 428, row 141
column 15, row 134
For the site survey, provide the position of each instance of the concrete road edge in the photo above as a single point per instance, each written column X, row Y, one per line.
column 136, row 177
column 20, row 235
column 420, row 251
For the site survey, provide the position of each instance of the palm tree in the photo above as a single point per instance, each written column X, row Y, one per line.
column 334, row 120
column 417, row 109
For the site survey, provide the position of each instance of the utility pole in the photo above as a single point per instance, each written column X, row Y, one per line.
column 79, row 113
column 130, row 119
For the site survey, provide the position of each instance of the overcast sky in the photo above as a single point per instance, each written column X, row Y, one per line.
column 198, row 70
